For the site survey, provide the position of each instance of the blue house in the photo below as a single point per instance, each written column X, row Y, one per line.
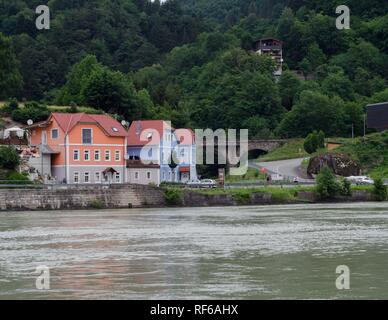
column 157, row 153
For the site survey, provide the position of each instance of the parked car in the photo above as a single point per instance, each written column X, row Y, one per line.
column 208, row 183
column 365, row 181
column 360, row 180
column 194, row 183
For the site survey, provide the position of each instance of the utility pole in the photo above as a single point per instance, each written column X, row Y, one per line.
column 364, row 125
column 352, row 130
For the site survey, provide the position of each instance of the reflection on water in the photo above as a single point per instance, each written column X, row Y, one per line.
column 267, row 252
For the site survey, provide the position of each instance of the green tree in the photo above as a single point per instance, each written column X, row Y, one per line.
column 9, row 158
column 338, row 84
column 78, row 79
column 289, row 86
column 327, row 185
column 313, row 111
column 10, row 106
column 110, row 91
column 346, row 188
column 32, row 110
column 314, row 141
column 315, row 56
column 10, row 77
column 380, row 191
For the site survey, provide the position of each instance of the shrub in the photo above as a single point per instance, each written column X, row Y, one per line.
column 327, row 185
column 314, row 141
column 73, row 108
column 96, row 204
column 15, row 177
column 242, row 196
column 380, row 190
column 10, row 106
column 173, row 197
column 346, row 188
column 33, row 111
column 9, row 158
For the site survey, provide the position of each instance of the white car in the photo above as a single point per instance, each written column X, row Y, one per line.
column 195, row 182
column 360, row 180
column 364, row 181
column 208, row 183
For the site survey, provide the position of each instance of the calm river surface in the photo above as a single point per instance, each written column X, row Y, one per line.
column 267, row 252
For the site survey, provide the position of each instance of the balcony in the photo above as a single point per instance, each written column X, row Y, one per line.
column 137, row 163
column 269, row 48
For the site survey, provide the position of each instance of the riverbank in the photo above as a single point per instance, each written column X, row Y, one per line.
column 66, row 197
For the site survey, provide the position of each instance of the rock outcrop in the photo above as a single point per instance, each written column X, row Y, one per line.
column 340, row 164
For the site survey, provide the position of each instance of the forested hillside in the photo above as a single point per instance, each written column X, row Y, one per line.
column 192, row 61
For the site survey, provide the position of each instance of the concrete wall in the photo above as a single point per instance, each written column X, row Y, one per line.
column 81, row 196
column 142, row 176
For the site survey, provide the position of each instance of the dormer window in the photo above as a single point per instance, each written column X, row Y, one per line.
column 149, row 135
column 87, row 136
column 114, row 129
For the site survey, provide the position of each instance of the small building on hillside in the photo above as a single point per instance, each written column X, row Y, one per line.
column 273, row 48
column 377, row 115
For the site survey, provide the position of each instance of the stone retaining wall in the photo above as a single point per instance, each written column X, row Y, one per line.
column 195, row 199
column 135, row 196
column 81, row 197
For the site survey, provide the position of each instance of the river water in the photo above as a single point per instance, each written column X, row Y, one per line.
column 263, row 252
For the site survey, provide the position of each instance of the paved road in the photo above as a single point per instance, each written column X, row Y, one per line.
column 287, row 168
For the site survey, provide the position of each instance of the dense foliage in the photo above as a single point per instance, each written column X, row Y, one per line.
column 327, row 185
column 9, row 158
column 314, row 141
column 192, row 61
column 380, row 191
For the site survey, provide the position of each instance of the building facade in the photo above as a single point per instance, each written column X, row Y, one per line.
column 80, row 148
column 158, row 153
column 272, row 48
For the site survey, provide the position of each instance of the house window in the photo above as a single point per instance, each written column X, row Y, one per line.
column 117, row 177
column 117, row 155
column 54, row 134
column 86, row 155
column 150, row 153
column 149, row 175
column 87, row 136
column 107, row 155
column 97, row 155
column 136, row 175
column 76, row 155
column 182, row 152
column 169, row 176
column 164, row 176
column 86, row 177
column 97, row 177
column 76, row 177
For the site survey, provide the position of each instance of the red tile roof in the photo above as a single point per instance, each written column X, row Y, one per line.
column 138, row 131
column 111, row 127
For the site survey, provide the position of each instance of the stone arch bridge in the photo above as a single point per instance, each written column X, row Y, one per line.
column 264, row 145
